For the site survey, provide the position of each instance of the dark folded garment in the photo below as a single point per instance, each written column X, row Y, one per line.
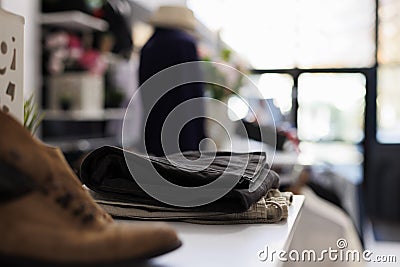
column 106, row 172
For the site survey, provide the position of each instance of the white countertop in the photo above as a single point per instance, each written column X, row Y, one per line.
column 230, row 245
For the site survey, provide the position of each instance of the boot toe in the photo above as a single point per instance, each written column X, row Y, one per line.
column 147, row 240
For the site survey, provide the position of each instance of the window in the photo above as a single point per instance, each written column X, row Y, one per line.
column 331, row 107
column 388, row 105
column 270, row 99
column 388, row 101
column 294, row 33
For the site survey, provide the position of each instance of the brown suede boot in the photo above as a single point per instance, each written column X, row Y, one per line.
column 48, row 219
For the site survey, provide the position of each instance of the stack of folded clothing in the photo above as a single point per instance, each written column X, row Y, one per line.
column 106, row 174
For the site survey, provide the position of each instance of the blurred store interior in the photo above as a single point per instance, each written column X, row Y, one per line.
column 327, row 74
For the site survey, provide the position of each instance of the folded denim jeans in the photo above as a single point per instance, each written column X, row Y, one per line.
column 105, row 172
column 269, row 209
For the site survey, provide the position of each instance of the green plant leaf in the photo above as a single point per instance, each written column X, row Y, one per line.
column 32, row 116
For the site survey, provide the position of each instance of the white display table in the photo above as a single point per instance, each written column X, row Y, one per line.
column 230, row 245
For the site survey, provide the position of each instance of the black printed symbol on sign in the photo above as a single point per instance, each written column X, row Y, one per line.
column 4, row 50
column 13, row 62
column 6, row 109
column 11, row 90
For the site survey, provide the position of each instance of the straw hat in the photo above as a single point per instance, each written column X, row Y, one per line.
column 174, row 17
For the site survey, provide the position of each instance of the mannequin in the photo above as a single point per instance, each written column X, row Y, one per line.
column 171, row 44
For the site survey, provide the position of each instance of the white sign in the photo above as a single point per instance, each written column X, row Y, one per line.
column 11, row 64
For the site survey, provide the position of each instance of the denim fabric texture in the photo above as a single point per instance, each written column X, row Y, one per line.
column 105, row 172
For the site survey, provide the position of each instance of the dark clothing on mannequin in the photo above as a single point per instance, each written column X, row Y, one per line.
column 166, row 48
